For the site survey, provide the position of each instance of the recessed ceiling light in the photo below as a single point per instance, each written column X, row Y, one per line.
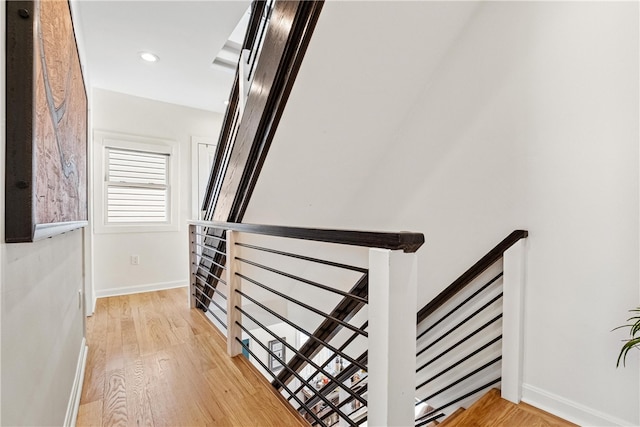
column 149, row 57
column 226, row 102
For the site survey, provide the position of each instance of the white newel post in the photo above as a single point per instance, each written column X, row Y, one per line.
column 392, row 337
column 513, row 321
column 193, row 263
column 233, row 298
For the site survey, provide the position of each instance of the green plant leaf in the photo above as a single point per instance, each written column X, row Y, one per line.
column 634, row 341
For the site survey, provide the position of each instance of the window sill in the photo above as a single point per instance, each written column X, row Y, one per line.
column 136, row 228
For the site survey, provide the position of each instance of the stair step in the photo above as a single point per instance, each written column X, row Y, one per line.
column 449, row 421
column 492, row 410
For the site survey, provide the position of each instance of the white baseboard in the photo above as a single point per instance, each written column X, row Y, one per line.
column 76, row 391
column 569, row 410
column 136, row 289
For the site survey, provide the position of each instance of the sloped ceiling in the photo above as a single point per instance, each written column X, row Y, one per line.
column 185, row 35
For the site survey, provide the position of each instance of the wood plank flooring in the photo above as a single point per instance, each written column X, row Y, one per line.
column 152, row 361
column 492, row 410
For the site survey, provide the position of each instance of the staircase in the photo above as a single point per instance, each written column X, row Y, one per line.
column 493, row 410
column 460, row 340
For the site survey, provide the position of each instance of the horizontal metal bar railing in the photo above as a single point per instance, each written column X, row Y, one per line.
column 303, row 280
column 285, row 366
column 362, row 390
column 460, row 305
column 208, row 273
column 464, row 321
column 210, row 260
column 204, row 283
column 308, row 360
column 342, row 376
column 211, row 301
column 211, row 236
column 343, row 346
column 297, row 327
column 461, row 379
column 346, row 402
column 459, row 362
column 210, row 248
column 304, row 305
column 425, row 419
column 305, row 258
column 459, row 343
column 206, row 308
column 474, row 271
column 275, row 377
column 323, row 402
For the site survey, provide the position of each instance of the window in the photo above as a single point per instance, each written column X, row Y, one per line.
column 137, row 186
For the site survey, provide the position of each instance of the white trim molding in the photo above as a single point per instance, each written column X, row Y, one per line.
column 393, row 286
column 514, row 277
column 195, row 142
column 137, row 289
column 568, row 409
column 106, row 139
column 76, row 390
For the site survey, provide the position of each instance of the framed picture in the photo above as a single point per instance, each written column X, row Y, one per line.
column 278, row 349
column 46, row 123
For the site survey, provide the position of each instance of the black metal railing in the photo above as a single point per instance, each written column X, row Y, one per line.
column 208, row 258
column 459, row 341
column 459, row 349
column 282, row 304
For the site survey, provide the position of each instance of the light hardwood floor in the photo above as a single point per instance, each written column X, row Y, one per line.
column 492, row 410
column 154, row 362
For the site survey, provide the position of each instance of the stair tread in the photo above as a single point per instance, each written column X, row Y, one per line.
column 451, row 418
column 493, row 410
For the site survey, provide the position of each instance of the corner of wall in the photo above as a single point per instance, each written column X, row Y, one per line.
column 76, row 391
column 568, row 409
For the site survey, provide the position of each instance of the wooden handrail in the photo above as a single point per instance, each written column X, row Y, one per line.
column 404, row 240
column 257, row 12
column 485, row 262
column 245, row 138
column 231, row 184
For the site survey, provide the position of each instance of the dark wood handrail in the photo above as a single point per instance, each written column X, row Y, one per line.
column 245, row 138
column 257, row 13
column 231, row 184
column 404, row 240
column 485, row 262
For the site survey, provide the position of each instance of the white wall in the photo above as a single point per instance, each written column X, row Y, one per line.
column 42, row 321
column 513, row 115
column 163, row 255
column 281, row 330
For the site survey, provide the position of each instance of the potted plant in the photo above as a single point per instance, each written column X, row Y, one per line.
column 634, row 336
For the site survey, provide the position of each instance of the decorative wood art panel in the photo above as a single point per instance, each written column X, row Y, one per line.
column 46, row 171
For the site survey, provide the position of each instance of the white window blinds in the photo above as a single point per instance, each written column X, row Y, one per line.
column 137, row 185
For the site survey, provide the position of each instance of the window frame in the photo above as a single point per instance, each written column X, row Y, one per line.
column 103, row 141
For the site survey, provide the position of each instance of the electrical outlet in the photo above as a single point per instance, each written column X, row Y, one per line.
column 79, row 298
column 135, row 259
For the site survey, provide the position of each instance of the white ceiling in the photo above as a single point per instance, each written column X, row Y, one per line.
column 186, row 35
